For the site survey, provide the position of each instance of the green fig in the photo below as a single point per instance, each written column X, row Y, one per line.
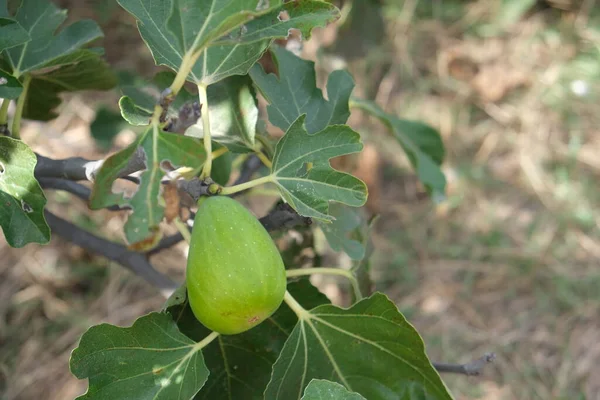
column 235, row 274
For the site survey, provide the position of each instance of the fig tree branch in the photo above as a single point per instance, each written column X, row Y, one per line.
column 135, row 262
column 472, row 368
column 74, row 188
column 81, row 169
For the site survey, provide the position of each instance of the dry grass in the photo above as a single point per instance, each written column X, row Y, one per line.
column 509, row 263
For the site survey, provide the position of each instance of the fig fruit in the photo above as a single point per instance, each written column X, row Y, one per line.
column 235, row 274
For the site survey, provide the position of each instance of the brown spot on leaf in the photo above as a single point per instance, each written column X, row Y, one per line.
column 148, row 243
column 171, row 196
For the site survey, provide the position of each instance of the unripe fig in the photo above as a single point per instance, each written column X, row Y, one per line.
column 235, row 274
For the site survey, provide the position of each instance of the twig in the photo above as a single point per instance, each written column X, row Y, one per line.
column 165, row 243
column 81, row 169
column 249, row 168
column 136, row 262
column 472, row 368
column 283, row 216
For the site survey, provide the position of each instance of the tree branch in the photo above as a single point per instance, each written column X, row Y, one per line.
column 249, row 168
column 74, row 188
column 135, row 262
column 472, row 368
column 81, row 169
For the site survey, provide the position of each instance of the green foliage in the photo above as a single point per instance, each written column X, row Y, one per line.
column 157, row 147
column 307, row 348
column 172, row 34
column 422, row 144
column 295, row 93
column 320, row 389
column 149, row 360
column 369, row 348
column 21, row 197
column 342, row 231
column 105, row 127
column 11, row 32
column 233, row 114
column 240, row 365
column 303, row 175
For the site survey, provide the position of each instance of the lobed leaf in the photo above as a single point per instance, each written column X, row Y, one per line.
column 304, row 176
column 149, row 360
column 11, row 32
column 370, row 348
column 41, row 19
column 174, row 28
column 295, row 92
column 22, row 200
column 422, row 144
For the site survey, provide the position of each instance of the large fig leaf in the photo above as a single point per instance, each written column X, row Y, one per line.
column 240, row 31
column 369, row 348
column 149, row 360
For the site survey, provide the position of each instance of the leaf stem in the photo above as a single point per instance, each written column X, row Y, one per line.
column 183, row 229
column 290, row 273
column 4, row 111
column 187, row 63
column 16, row 127
column 219, row 152
column 264, row 159
column 206, row 131
column 247, row 185
column 300, row 311
column 206, row 341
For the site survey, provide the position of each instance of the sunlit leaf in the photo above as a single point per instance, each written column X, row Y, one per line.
column 295, row 92
column 172, row 29
column 304, row 176
column 22, row 200
column 149, row 360
column 320, row 389
column 422, row 144
column 369, row 348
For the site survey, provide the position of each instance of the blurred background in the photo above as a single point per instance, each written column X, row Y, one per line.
column 509, row 262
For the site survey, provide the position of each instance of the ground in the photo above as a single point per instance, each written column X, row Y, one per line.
column 508, row 263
